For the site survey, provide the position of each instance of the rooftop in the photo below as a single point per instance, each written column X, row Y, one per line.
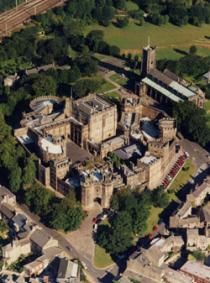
column 93, row 105
column 40, row 237
column 207, row 75
column 49, row 146
column 197, row 269
column 148, row 159
column 162, row 90
column 129, row 152
column 67, row 269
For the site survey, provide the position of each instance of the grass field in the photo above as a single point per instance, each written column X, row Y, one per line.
column 207, row 108
column 106, row 86
column 153, row 218
column 183, row 177
column 119, row 79
column 167, row 38
column 113, row 96
column 101, row 258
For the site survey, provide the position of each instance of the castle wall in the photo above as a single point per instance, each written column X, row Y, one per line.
column 155, row 174
column 44, row 174
column 60, row 129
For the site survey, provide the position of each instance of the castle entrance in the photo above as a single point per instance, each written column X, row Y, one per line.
column 98, row 200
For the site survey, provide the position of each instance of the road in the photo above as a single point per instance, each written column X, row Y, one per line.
column 13, row 19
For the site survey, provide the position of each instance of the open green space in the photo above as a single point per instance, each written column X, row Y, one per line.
column 182, row 178
column 101, row 258
column 207, row 108
column 113, row 95
column 153, row 218
column 167, row 38
column 119, row 79
column 106, row 86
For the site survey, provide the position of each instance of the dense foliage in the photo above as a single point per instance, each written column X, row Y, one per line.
column 131, row 211
column 65, row 214
column 192, row 121
column 8, row 4
column 179, row 12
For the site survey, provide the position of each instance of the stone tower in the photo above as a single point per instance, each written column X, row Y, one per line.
column 107, row 191
column 92, row 191
column 68, row 107
column 167, row 129
column 148, row 60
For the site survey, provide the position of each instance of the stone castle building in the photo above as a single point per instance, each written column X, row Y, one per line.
column 75, row 136
column 165, row 87
column 64, row 132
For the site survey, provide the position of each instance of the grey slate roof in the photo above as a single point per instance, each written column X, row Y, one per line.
column 19, row 220
column 6, row 211
column 40, row 238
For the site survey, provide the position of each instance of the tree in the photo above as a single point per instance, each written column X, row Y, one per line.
column 121, row 233
column 122, row 22
column 160, row 198
column 15, row 178
column 72, row 27
column 29, row 172
column 119, row 4
column 68, row 214
column 44, row 85
column 39, row 199
column 192, row 122
column 193, row 50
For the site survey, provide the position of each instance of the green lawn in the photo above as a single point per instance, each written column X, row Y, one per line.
column 153, row 218
column 207, row 108
column 207, row 105
column 101, row 258
column 133, row 37
column 113, row 96
column 119, row 79
column 106, row 86
column 183, row 177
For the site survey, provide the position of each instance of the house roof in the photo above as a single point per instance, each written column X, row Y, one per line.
column 67, row 269
column 197, row 269
column 207, row 75
column 40, row 237
column 5, row 192
column 19, row 220
column 7, row 211
column 206, row 212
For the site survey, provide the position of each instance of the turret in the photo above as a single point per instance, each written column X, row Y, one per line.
column 148, row 60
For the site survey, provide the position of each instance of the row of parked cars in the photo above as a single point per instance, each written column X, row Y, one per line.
column 177, row 166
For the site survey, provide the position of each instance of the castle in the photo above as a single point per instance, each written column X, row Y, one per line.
column 72, row 139
column 75, row 136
